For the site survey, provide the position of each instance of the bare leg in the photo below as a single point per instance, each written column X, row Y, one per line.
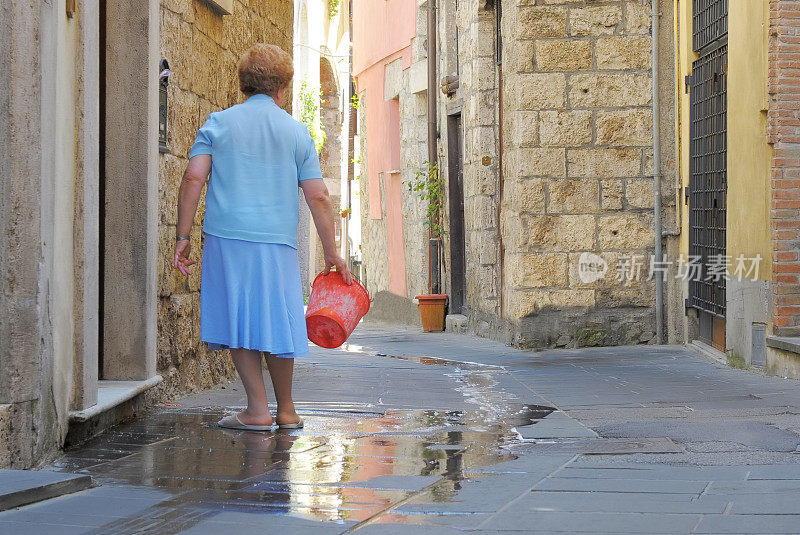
column 248, row 364
column 281, row 370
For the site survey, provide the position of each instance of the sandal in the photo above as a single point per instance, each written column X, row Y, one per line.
column 233, row 422
column 297, row 425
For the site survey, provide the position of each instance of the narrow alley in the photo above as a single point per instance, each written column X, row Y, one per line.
column 418, row 433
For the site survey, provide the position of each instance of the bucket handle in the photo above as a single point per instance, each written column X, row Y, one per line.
column 369, row 295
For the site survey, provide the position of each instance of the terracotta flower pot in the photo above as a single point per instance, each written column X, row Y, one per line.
column 432, row 311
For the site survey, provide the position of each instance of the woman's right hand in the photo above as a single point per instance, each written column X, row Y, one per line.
column 336, row 261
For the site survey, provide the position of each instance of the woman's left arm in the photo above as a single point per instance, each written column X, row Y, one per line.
column 194, row 178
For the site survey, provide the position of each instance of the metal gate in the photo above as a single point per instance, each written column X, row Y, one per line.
column 709, row 22
column 708, row 168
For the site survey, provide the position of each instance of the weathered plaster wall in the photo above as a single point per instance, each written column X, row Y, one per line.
column 383, row 32
column 26, row 419
column 131, row 191
column 202, row 48
column 59, row 92
column 38, row 121
column 87, row 210
column 748, row 201
column 373, row 231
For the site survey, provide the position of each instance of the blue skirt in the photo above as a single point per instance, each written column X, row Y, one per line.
column 251, row 297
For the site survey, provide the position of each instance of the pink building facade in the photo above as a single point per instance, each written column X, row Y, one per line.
column 383, row 33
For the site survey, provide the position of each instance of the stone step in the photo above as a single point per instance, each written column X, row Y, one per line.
column 23, row 487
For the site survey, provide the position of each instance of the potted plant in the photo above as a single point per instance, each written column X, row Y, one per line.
column 430, row 187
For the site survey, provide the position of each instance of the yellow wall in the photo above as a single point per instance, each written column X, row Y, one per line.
column 685, row 57
column 749, row 154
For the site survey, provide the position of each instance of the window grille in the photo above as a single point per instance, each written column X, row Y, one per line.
column 709, row 22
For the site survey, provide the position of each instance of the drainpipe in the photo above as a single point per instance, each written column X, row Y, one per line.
column 657, row 175
column 434, row 274
column 351, row 131
column 500, row 141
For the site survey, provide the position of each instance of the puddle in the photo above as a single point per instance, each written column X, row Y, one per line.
column 349, row 465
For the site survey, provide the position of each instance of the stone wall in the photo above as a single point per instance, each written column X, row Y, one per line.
column 577, row 170
column 330, row 157
column 202, row 48
column 478, row 96
column 413, row 97
column 28, row 425
column 570, row 174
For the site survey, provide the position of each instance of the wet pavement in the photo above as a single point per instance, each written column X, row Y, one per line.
column 409, row 432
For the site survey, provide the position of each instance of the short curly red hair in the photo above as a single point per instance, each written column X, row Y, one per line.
column 265, row 69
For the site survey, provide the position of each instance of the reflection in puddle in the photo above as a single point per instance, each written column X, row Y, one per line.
column 345, row 467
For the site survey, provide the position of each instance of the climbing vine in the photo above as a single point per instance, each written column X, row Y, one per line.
column 333, row 8
column 309, row 106
column 429, row 185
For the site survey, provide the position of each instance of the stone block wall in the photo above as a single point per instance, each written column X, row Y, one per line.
column 783, row 131
column 202, row 48
column 414, row 153
column 577, row 170
column 477, row 95
column 330, row 157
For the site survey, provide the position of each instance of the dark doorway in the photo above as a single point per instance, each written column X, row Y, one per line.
column 455, row 173
column 102, row 184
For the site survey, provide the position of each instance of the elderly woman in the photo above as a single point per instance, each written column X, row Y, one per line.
column 250, row 297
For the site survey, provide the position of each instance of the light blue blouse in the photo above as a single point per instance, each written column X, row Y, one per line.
column 259, row 153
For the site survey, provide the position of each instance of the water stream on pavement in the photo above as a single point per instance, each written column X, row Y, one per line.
column 346, row 466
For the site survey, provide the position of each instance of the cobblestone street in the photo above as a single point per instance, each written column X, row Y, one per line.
column 421, row 433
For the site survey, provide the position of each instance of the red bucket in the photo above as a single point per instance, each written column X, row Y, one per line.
column 334, row 309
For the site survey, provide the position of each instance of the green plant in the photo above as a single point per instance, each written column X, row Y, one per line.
column 355, row 102
column 309, row 106
column 430, row 187
column 333, row 8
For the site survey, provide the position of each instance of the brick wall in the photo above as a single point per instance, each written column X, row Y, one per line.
column 202, row 48
column 783, row 131
column 577, row 168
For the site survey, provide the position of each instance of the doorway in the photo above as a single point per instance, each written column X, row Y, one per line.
column 455, row 173
column 708, row 188
column 101, row 183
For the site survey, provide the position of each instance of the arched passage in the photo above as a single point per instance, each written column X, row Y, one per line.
column 331, row 154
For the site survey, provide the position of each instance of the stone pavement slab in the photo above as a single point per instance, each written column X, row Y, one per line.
column 21, row 487
column 614, row 522
column 411, row 432
column 750, row 524
column 620, row 502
